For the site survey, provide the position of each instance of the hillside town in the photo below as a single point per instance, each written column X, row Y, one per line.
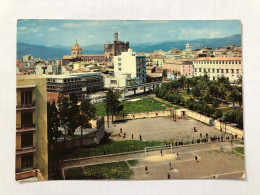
column 63, row 106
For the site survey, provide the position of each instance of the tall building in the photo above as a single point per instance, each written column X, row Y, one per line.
column 215, row 67
column 114, row 49
column 31, row 128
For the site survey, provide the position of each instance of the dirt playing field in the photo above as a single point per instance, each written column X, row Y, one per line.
column 161, row 128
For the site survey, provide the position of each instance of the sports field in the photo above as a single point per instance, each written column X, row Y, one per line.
column 212, row 163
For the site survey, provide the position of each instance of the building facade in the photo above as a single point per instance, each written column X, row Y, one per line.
column 215, row 67
column 31, row 128
column 79, row 83
column 114, row 49
column 178, row 67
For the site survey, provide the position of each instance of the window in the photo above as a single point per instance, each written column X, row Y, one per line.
column 27, row 161
column 232, row 71
column 217, row 70
column 209, row 70
column 213, row 78
column 119, row 59
column 113, row 82
column 237, row 71
column 26, row 97
column 222, row 70
column 226, row 70
column 199, row 69
column 213, row 70
column 204, row 69
column 119, row 69
column 26, row 140
column 119, row 64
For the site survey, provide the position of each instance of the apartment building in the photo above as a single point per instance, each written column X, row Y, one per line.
column 31, row 128
column 215, row 67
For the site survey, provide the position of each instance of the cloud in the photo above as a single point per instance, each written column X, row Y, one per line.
column 26, row 30
column 90, row 36
column 149, row 35
column 53, row 29
column 72, row 25
column 192, row 33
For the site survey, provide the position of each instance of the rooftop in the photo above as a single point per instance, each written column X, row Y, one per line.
column 73, row 75
column 218, row 58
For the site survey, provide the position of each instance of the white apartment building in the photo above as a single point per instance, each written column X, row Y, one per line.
column 129, row 69
column 215, row 67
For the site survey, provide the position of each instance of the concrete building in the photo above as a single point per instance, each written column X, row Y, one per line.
column 79, row 83
column 215, row 67
column 31, row 128
column 129, row 63
column 178, row 68
column 27, row 58
column 114, row 49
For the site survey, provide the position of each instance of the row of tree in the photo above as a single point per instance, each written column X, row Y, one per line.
column 70, row 115
column 206, row 96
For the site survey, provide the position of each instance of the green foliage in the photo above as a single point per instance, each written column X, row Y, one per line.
column 110, row 147
column 53, row 122
column 218, row 114
column 234, row 116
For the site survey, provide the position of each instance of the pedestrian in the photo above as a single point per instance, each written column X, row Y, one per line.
column 140, row 137
column 176, row 143
column 196, row 158
column 170, row 165
column 221, row 148
column 121, row 130
column 146, row 169
column 231, row 142
column 132, row 136
column 178, row 157
column 192, row 141
column 161, row 152
column 169, row 176
column 201, row 135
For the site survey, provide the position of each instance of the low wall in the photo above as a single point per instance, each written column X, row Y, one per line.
column 229, row 129
column 199, row 117
column 140, row 115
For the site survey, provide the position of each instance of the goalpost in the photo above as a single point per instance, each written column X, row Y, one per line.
column 154, row 148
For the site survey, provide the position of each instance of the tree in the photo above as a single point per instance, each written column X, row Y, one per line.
column 73, row 115
column 63, row 104
column 53, row 122
column 196, row 92
column 112, row 104
column 218, row 114
column 87, row 112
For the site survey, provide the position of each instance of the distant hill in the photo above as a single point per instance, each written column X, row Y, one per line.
column 58, row 51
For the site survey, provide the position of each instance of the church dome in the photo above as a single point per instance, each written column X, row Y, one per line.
column 76, row 46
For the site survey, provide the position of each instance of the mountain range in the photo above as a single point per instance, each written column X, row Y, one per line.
column 58, row 51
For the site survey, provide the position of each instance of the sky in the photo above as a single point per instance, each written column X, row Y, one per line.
column 88, row 32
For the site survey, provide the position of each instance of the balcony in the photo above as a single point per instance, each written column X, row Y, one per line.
column 25, row 149
column 25, row 105
column 25, row 127
column 35, row 173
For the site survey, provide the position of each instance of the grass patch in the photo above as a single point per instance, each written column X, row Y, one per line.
column 132, row 163
column 239, row 151
column 143, row 105
column 74, row 173
column 115, row 170
column 108, row 147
